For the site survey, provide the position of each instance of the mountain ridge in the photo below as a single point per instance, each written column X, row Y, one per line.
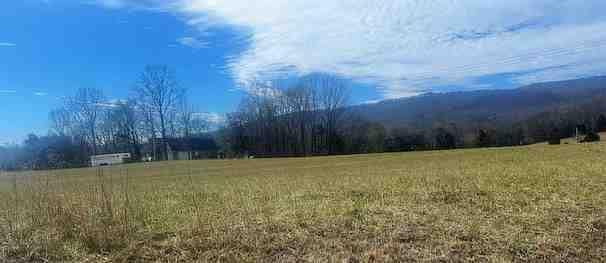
column 480, row 106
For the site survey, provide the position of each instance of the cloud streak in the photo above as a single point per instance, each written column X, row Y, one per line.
column 192, row 42
column 409, row 46
column 7, row 44
column 112, row 3
column 212, row 117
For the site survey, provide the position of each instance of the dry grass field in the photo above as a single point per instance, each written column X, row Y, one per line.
column 534, row 203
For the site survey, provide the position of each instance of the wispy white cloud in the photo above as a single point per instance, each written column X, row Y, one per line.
column 112, row 3
column 371, row 102
column 409, row 46
column 192, row 42
column 7, row 91
column 113, row 103
column 7, row 44
column 40, row 94
column 214, row 119
column 150, row 5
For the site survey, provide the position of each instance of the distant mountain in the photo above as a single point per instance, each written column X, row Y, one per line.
column 482, row 106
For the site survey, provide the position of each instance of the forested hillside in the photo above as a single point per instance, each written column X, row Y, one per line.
column 483, row 106
column 292, row 121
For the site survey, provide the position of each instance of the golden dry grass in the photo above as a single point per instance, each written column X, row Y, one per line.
column 535, row 203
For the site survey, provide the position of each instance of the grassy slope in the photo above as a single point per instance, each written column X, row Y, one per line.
column 508, row 204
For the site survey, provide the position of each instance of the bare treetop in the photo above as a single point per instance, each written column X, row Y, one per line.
column 86, row 107
column 158, row 88
column 160, row 96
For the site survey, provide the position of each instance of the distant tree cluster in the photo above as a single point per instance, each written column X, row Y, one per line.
column 295, row 118
column 305, row 116
column 89, row 124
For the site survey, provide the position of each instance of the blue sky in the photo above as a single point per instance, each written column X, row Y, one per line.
column 387, row 48
column 61, row 47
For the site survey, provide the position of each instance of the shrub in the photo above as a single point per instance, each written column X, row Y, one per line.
column 591, row 137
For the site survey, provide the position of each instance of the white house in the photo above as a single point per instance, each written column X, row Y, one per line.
column 109, row 159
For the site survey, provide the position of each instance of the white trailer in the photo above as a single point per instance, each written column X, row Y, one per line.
column 109, row 159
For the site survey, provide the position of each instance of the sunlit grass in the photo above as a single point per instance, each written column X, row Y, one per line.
column 506, row 204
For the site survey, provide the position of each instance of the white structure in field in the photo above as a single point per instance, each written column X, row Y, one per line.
column 108, row 159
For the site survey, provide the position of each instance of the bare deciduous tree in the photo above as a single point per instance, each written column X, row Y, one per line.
column 127, row 121
column 334, row 97
column 159, row 95
column 61, row 121
column 190, row 122
column 294, row 117
column 86, row 108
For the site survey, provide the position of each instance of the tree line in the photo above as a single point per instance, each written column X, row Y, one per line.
column 306, row 116
column 87, row 124
column 312, row 116
column 303, row 117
